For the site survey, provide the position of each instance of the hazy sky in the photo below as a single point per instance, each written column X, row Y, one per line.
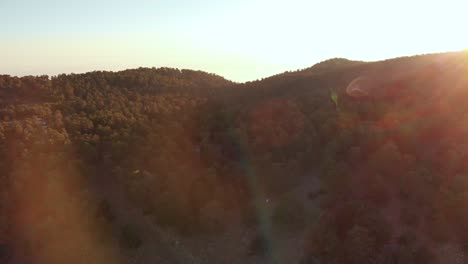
column 240, row 39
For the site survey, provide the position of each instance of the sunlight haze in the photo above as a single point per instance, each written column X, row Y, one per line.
column 239, row 40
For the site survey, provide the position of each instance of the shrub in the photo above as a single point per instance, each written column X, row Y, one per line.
column 212, row 216
column 313, row 195
column 409, row 216
column 289, row 215
column 104, row 210
column 258, row 246
column 360, row 244
column 130, row 237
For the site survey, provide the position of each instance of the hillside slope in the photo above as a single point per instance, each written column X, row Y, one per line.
column 355, row 162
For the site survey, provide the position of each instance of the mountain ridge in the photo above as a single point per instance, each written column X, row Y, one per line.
column 332, row 64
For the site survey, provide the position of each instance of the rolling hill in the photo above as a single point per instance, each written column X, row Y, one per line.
column 176, row 166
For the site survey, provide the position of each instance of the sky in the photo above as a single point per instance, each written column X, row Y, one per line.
column 241, row 40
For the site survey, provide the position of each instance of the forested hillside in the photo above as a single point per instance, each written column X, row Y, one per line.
column 198, row 154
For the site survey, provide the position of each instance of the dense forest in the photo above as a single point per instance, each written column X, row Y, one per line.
column 197, row 154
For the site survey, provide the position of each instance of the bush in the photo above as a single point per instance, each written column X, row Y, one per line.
column 172, row 211
column 360, row 244
column 258, row 246
column 130, row 237
column 313, row 195
column 409, row 216
column 104, row 211
column 289, row 215
column 212, row 216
